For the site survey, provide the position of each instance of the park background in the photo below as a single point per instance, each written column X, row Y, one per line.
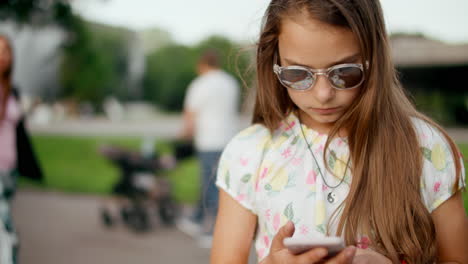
column 90, row 76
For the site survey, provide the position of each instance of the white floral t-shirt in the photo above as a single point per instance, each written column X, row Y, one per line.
column 275, row 177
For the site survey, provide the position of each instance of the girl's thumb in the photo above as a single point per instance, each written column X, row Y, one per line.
column 286, row 231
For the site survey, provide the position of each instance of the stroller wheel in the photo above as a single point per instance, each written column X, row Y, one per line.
column 136, row 218
column 167, row 211
column 106, row 218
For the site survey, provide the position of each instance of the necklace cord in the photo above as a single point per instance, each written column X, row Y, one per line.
column 316, row 163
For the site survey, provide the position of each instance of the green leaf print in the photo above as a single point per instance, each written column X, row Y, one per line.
column 427, row 153
column 321, row 228
column 246, row 178
column 289, row 212
column 268, row 187
column 227, row 180
column 332, row 159
column 291, row 181
column 296, row 138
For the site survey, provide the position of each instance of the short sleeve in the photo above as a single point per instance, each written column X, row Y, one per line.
column 439, row 177
column 240, row 163
column 194, row 97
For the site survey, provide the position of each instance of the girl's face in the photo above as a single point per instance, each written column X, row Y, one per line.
column 5, row 56
column 314, row 44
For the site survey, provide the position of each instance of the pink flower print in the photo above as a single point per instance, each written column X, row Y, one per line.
column 257, row 184
column 437, row 186
column 240, row 197
column 280, row 125
column 296, row 161
column 257, row 181
column 244, row 161
column 286, row 153
column 276, row 221
column 304, row 230
column 340, row 142
column 324, row 187
column 261, row 253
column 266, row 240
column 311, row 177
column 268, row 214
column 264, row 173
column 289, row 126
column 424, row 136
column 321, row 147
column 363, row 243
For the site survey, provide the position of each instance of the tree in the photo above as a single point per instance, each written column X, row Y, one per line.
column 37, row 12
column 170, row 69
column 234, row 59
column 95, row 63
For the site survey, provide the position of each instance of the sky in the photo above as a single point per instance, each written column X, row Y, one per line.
column 190, row 21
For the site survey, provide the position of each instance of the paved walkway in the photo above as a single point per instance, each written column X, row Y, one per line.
column 58, row 228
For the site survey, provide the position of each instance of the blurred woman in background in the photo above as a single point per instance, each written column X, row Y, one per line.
column 16, row 155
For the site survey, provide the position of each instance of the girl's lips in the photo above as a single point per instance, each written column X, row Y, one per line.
column 325, row 111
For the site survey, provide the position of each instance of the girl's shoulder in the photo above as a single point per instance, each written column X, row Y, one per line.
column 259, row 137
column 439, row 175
column 249, row 141
column 427, row 133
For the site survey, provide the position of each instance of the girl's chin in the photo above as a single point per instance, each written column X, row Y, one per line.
column 323, row 119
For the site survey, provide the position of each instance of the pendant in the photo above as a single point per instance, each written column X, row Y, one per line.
column 331, row 197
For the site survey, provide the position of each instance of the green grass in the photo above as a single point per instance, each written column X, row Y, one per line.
column 464, row 151
column 72, row 164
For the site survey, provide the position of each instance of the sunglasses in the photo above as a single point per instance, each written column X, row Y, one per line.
column 341, row 76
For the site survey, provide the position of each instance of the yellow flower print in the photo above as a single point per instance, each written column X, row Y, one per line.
column 263, row 142
column 248, row 131
column 319, row 212
column 437, row 203
column 340, row 166
column 438, row 157
column 278, row 142
column 279, row 180
column 311, row 180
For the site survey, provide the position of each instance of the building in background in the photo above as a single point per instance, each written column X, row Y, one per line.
column 436, row 74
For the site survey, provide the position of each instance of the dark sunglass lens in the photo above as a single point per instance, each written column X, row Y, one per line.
column 296, row 79
column 346, row 77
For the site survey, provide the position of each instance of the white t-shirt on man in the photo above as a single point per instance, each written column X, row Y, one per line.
column 213, row 97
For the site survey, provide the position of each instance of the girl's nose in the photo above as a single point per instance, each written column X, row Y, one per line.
column 323, row 90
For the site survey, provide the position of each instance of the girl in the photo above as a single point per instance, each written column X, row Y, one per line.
column 336, row 148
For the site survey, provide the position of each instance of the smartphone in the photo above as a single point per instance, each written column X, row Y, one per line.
column 298, row 245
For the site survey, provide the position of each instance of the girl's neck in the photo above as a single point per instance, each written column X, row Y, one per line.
column 322, row 128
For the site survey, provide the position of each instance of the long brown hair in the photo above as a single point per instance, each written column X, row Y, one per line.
column 384, row 201
column 5, row 80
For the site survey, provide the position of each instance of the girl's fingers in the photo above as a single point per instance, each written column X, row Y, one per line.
column 345, row 256
column 286, row 231
column 312, row 256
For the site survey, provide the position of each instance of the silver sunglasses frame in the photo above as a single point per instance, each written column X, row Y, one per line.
column 325, row 72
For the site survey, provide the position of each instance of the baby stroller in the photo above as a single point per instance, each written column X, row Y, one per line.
column 143, row 190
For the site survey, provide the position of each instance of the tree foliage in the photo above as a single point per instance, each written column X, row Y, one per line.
column 170, row 69
column 95, row 63
column 37, row 12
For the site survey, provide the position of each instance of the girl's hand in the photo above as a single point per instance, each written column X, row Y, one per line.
column 367, row 256
column 279, row 254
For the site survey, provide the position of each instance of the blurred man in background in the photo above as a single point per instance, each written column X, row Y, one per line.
column 211, row 119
